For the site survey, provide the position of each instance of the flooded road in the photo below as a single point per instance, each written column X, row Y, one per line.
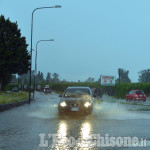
column 36, row 126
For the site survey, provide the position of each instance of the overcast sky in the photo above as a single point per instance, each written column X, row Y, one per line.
column 92, row 37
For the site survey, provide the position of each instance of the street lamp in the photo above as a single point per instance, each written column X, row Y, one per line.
column 35, row 73
column 56, row 6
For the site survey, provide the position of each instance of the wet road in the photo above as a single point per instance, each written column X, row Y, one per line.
column 20, row 127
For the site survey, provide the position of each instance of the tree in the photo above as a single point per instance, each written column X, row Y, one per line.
column 64, row 81
column 144, row 75
column 40, row 77
column 55, row 78
column 14, row 57
column 90, row 79
column 13, row 79
column 123, row 75
column 24, row 78
column 48, row 78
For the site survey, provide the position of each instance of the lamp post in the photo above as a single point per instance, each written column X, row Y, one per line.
column 35, row 73
column 56, row 6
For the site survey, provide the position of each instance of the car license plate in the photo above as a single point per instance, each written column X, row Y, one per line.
column 140, row 95
column 75, row 109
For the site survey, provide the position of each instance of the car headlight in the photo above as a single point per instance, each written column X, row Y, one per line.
column 63, row 104
column 87, row 104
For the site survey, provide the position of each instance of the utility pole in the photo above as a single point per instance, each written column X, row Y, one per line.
column 119, row 72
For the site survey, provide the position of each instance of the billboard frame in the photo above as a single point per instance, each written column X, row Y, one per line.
column 113, row 81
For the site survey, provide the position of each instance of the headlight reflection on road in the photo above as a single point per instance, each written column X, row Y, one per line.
column 83, row 141
column 62, row 139
column 85, row 136
column 62, row 129
column 85, row 131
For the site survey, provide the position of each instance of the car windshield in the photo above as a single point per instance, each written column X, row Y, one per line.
column 46, row 86
column 77, row 93
column 139, row 92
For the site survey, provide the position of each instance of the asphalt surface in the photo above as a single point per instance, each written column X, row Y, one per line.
column 24, row 127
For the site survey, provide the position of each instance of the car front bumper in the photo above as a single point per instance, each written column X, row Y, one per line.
column 79, row 109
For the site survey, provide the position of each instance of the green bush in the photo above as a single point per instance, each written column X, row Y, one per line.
column 120, row 90
column 10, row 86
column 13, row 97
column 60, row 87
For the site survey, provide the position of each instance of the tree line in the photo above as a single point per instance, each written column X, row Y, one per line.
column 123, row 76
column 39, row 78
column 143, row 75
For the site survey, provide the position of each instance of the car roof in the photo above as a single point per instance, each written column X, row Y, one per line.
column 78, row 87
column 136, row 90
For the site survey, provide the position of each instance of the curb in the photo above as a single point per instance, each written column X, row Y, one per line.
column 4, row 107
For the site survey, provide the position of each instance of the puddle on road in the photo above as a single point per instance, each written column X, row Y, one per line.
column 147, row 143
column 117, row 111
column 48, row 109
column 44, row 111
column 103, row 111
column 45, row 107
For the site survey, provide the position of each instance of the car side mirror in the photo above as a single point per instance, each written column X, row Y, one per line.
column 60, row 95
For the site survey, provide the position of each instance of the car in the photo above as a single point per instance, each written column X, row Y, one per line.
column 38, row 88
column 76, row 99
column 32, row 88
column 98, row 93
column 25, row 87
column 136, row 95
column 47, row 89
column 15, row 89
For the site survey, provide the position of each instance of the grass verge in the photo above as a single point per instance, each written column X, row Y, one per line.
column 143, row 109
column 125, row 102
column 13, row 97
column 140, row 109
column 60, row 93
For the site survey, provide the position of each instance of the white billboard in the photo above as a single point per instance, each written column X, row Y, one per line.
column 107, row 80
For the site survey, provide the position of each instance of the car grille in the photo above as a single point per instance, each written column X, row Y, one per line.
column 74, row 105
